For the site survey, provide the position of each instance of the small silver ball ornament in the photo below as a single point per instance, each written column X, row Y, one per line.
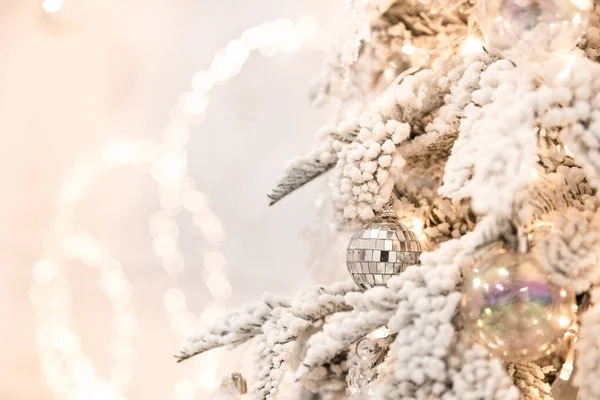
column 380, row 250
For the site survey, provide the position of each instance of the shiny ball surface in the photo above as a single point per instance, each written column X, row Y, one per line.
column 509, row 305
column 526, row 31
column 380, row 250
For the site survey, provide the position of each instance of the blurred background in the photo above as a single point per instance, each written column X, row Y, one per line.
column 139, row 141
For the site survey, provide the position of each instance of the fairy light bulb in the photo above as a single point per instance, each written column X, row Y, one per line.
column 52, row 6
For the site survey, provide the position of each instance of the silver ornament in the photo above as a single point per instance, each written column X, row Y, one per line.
column 380, row 250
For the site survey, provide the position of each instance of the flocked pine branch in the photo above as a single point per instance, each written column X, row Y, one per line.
column 243, row 324
column 495, row 152
column 568, row 247
column 370, row 310
column 428, row 300
column 277, row 341
column 321, row 159
column 431, row 149
column 573, row 107
column 234, row 328
column 474, row 375
column 529, row 378
column 505, row 149
column 379, row 131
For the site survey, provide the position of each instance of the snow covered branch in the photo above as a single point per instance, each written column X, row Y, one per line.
column 370, row 310
column 234, row 328
column 495, row 152
column 238, row 326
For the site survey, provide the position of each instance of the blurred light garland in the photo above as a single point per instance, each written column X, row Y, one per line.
column 69, row 373
column 52, row 6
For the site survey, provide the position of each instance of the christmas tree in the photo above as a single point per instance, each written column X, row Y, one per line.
column 467, row 165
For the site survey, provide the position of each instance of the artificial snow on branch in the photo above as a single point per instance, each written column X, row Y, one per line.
column 427, row 303
column 373, row 142
column 568, row 245
column 474, row 375
column 364, row 180
column 495, row 152
column 478, row 152
column 321, row 159
column 431, row 149
column 234, row 328
column 554, row 191
column 572, row 106
column 238, row 326
column 370, row 310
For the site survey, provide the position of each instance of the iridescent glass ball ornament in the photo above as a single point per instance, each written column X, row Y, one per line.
column 533, row 30
column 380, row 250
column 510, row 306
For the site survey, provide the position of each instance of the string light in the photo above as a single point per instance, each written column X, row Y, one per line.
column 471, row 45
column 69, row 373
column 52, row 6
column 408, row 49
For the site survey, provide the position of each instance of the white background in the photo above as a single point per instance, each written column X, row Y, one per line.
column 99, row 68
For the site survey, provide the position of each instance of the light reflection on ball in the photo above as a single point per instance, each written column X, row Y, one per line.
column 533, row 30
column 509, row 306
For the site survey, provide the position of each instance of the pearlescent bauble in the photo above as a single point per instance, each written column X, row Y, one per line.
column 532, row 30
column 380, row 250
column 509, row 305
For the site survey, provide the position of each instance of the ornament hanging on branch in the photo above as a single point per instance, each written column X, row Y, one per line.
column 371, row 351
column 381, row 249
column 231, row 387
column 533, row 30
column 510, row 306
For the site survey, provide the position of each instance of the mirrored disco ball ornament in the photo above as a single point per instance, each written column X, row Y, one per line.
column 509, row 305
column 380, row 250
column 533, row 30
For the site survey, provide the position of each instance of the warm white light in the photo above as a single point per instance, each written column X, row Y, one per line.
column 184, row 390
column 52, row 6
column 583, row 5
column 164, row 245
column 193, row 201
column 195, row 103
column 44, row 271
column 408, row 49
column 202, row 82
column 381, row 333
column 307, row 26
column 68, row 371
column 564, row 322
column 174, row 300
column 471, row 45
column 417, row 227
column 565, row 72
